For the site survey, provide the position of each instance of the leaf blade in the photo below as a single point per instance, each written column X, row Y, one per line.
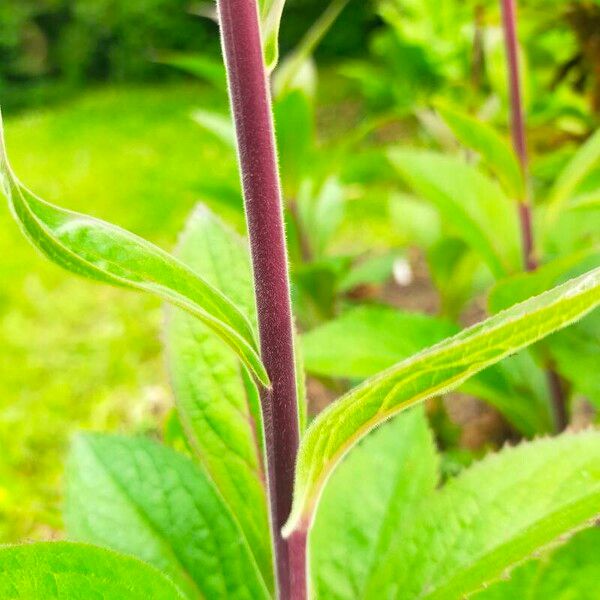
column 484, row 139
column 217, row 402
column 492, row 517
column 106, row 253
column 434, row 371
column 68, row 571
column 371, row 495
column 471, row 203
column 146, row 500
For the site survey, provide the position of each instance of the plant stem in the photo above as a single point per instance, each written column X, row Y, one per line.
column 251, row 106
column 298, row 564
column 519, row 140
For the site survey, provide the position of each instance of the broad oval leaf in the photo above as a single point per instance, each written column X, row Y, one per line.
column 104, row 252
column 372, row 496
column 436, row 370
column 216, row 400
column 67, row 571
column 143, row 499
column 472, row 204
column 496, row 151
column 566, row 573
column 492, row 517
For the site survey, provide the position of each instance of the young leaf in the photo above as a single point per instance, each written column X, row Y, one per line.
column 141, row 498
column 584, row 160
column 437, row 370
column 270, row 17
column 491, row 518
column 107, row 253
column 369, row 499
column 217, row 402
column 568, row 573
column 496, row 152
column 472, row 204
column 66, row 571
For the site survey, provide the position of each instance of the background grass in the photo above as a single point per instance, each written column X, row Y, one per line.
column 75, row 354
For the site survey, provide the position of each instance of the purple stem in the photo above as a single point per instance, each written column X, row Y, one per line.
column 519, row 140
column 297, row 544
column 517, row 126
column 251, row 106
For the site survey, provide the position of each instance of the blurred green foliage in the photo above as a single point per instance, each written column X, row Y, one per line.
column 49, row 47
column 72, row 353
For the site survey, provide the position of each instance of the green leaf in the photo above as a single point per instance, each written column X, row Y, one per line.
column 201, row 66
column 473, row 205
column 66, row 571
column 568, row 573
column 494, row 149
column 415, row 222
column 437, row 370
column 575, row 354
column 294, row 128
column 453, row 267
column 107, row 253
column 521, row 286
column 321, row 210
column 270, row 16
column 380, row 337
column 219, row 125
column 565, row 186
column 369, row 270
column 217, row 402
column 491, row 518
column 369, row 499
column 141, row 498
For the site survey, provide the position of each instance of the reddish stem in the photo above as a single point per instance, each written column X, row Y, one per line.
column 297, row 544
column 519, row 140
column 517, row 126
column 251, row 106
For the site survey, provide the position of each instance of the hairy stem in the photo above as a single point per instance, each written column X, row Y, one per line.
column 519, row 140
column 251, row 106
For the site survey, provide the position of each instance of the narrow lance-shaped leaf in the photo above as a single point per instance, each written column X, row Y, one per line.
column 270, row 17
column 434, row 371
column 470, row 203
column 101, row 251
column 496, row 152
column 66, row 571
column 146, row 500
column 381, row 337
column 572, row 175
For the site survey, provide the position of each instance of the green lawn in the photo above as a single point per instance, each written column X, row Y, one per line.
column 75, row 354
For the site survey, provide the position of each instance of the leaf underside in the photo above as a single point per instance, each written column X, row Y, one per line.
column 106, row 253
